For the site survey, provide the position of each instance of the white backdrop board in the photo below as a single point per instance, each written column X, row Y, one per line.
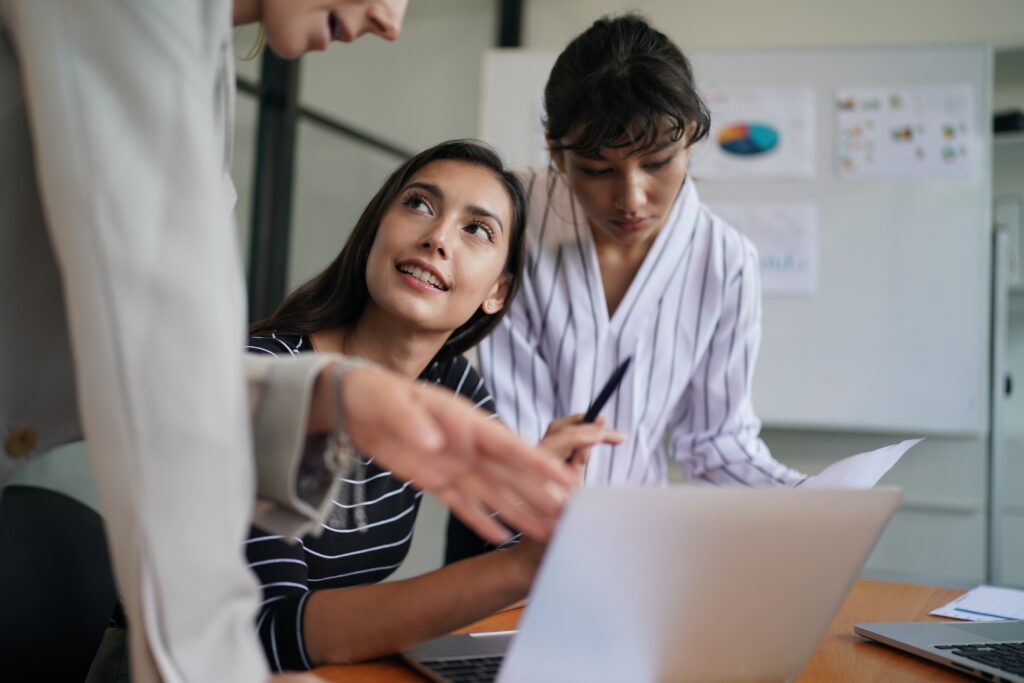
column 895, row 334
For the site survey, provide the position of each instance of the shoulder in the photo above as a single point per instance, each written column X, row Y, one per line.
column 733, row 248
column 278, row 344
column 457, row 374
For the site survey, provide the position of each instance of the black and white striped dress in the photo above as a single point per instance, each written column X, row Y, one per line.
column 340, row 557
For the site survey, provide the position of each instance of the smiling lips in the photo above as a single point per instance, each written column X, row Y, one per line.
column 422, row 275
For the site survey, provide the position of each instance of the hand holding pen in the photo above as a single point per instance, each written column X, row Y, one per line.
column 571, row 438
column 579, row 455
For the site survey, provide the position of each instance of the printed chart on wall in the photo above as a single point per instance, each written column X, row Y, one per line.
column 786, row 237
column 758, row 133
column 918, row 131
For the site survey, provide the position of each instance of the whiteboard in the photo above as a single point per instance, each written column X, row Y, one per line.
column 896, row 336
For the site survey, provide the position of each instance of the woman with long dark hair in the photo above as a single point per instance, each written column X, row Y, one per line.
column 426, row 274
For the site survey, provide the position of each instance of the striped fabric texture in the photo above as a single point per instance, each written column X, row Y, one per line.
column 691, row 319
column 342, row 555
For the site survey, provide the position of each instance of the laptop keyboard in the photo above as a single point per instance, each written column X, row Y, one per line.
column 465, row 670
column 1008, row 657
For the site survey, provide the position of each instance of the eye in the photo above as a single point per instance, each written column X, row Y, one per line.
column 480, row 231
column 661, row 163
column 595, row 172
column 417, row 202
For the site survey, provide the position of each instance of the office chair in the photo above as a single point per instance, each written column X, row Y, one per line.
column 56, row 586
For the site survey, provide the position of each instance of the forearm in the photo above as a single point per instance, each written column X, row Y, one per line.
column 354, row 624
column 733, row 457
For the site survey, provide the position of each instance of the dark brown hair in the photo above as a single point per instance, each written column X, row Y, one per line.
column 617, row 84
column 337, row 296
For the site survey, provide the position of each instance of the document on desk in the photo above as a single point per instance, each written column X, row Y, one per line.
column 861, row 471
column 985, row 603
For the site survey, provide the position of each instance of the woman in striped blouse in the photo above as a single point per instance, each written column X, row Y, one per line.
column 424, row 276
column 623, row 259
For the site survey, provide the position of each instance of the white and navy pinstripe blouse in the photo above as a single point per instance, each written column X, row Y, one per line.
column 691, row 320
column 340, row 557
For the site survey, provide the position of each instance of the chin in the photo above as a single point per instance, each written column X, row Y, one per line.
column 287, row 48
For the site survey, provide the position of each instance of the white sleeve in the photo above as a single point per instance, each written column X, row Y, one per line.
column 716, row 438
column 296, row 475
column 120, row 97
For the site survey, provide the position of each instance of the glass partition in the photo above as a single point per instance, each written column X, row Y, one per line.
column 335, row 177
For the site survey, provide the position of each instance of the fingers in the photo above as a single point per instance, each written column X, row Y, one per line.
column 563, row 422
column 386, row 421
column 579, row 459
column 522, row 502
column 580, row 435
column 467, row 428
column 474, row 516
column 448, row 447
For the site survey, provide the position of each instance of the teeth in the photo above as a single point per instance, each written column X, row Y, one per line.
column 422, row 275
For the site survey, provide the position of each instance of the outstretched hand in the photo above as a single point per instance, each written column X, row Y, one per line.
column 473, row 464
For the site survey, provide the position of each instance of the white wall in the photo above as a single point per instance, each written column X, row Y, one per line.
column 417, row 91
column 791, row 23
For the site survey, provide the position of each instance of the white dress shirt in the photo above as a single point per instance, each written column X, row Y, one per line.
column 690, row 319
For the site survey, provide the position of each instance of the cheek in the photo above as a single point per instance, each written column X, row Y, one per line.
column 288, row 27
column 377, row 263
column 483, row 273
column 593, row 196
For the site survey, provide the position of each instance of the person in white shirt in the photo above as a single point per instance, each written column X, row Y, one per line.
column 625, row 260
column 116, row 238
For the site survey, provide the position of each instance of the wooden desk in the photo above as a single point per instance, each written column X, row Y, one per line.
column 841, row 655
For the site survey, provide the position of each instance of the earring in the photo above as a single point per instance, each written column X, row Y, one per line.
column 489, row 307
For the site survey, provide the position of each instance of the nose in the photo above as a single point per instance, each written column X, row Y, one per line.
column 630, row 193
column 384, row 18
column 434, row 241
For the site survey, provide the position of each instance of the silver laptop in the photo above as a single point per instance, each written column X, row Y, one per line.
column 681, row 584
column 992, row 651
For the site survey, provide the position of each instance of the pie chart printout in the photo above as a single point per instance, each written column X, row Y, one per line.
column 748, row 139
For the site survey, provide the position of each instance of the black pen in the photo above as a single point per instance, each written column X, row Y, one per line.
column 606, row 393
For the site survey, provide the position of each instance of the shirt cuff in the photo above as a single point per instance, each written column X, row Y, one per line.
column 296, row 472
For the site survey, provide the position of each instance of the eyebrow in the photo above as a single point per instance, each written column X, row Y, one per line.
column 473, row 208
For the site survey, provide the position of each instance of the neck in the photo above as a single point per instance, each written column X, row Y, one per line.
column 384, row 341
column 247, row 12
column 629, row 253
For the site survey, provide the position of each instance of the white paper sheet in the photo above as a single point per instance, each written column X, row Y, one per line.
column 786, row 237
column 758, row 133
column 912, row 131
column 985, row 603
column 861, row 471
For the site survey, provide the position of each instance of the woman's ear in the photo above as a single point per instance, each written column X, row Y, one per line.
column 557, row 153
column 495, row 300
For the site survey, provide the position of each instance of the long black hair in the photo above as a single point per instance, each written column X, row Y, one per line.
column 338, row 295
column 616, row 85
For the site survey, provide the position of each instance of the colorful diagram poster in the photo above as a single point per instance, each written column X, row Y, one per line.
column 912, row 131
column 786, row 237
column 758, row 133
